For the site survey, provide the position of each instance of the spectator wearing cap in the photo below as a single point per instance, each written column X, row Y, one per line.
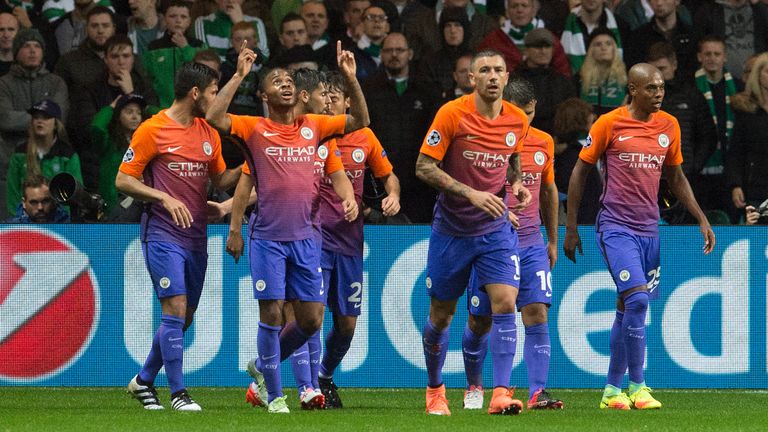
column 421, row 24
column 581, row 22
column 37, row 204
column 111, row 131
column 27, row 82
column 603, row 75
column 509, row 40
column 45, row 152
column 367, row 50
column 438, row 66
column 550, row 87
column 9, row 26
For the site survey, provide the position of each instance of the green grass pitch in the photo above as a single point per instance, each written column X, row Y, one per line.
column 105, row 409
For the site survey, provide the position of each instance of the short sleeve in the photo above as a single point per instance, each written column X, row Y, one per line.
column 333, row 161
column 441, row 132
column 140, row 152
column 377, row 157
column 674, row 152
column 328, row 125
column 598, row 140
column 548, row 173
column 243, row 126
column 217, row 161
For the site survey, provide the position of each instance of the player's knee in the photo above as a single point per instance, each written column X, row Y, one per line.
column 441, row 313
column 534, row 313
column 346, row 326
column 479, row 325
column 176, row 306
column 310, row 324
column 636, row 302
column 271, row 312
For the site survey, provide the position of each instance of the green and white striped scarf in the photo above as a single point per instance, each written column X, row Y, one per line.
column 574, row 42
column 714, row 164
column 517, row 34
column 214, row 30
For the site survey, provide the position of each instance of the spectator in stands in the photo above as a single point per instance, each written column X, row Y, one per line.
column 209, row 58
column 718, row 86
column 666, row 25
column 111, row 131
column 573, row 119
column 509, row 39
column 9, row 26
column 741, row 24
column 462, row 83
column 367, row 51
column 554, row 13
column 145, row 24
column 421, row 25
column 37, row 204
column 402, row 107
column 603, row 76
column 86, row 63
column 246, row 101
column 45, row 152
column 55, row 10
column 70, row 28
column 293, row 31
column 582, row 21
column 438, row 66
column 166, row 54
column 748, row 65
column 747, row 159
column 215, row 29
column 119, row 78
column 353, row 18
column 682, row 100
column 315, row 16
column 551, row 88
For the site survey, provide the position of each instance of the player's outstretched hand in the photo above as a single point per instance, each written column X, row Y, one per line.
column 487, row 202
column 571, row 243
column 523, row 196
column 709, row 238
column 552, row 254
column 390, row 205
column 513, row 219
column 245, row 60
column 350, row 210
column 235, row 245
column 179, row 212
column 346, row 61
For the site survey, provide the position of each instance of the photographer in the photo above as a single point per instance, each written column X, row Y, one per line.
column 757, row 216
column 37, row 204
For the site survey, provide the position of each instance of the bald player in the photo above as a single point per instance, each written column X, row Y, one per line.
column 637, row 143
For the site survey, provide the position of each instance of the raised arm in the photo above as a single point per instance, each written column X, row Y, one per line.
column 217, row 112
column 679, row 186
column 358, row 117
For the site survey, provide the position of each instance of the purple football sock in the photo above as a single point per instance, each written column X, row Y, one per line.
column 474, row 347
column 291, row 338
column 536, row 354
column 315, row 354
column 336, row 347
column 503, row 341
column 617, row 366
column 268, row 344
column 633, row 330
column 301, row 370
column 435, row 349
column 153, row 363
column 172, row 349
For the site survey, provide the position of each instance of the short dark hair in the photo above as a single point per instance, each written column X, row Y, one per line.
column 175, row 3
column 290, row 16
column 265, row 72
column 336, row 82
column 33, row 181
column 711, row 38
column 307, row 79
column 519, row 91
column 100, row 10
column 192, row 75
column 207, row 55
column 117, row 40
column 485, row 53
column 661, row 50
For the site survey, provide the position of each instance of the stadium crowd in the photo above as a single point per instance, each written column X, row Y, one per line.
column 79, row 76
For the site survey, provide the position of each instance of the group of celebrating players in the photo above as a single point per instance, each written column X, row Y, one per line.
column 303, row 174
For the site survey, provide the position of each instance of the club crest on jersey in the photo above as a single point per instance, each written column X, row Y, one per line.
column 510, row 139
column 207, row 148
column 358, row 155
column 128, row 156
column 624, row 275
column 165, row 283
column 307, row 133
column 539, row 158
column 322, row 151
column 475, row 301
column 663, row 140
column 260, row 285
column 588, row 142
column 433, row 138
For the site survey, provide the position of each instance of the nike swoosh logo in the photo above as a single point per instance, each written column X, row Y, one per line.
column 270, row 134
column 541, row 346
column 471, row 137
column 322, row 292
column 173, row 149
column 471, row 352
column 357, row 305
column 175, row 339
column 267, row 358
column 507, row 330
column 296, row 354
column 624, row 138
column 634, row 328
column 43, row 280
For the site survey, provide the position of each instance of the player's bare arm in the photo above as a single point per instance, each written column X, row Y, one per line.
column 575, row 190
column 515, row 179
column 217, row 112
column 428, row 171
column 548, row 202
column 239, row 202
column 133, row 187
column 679, row 186
column 226, row 179
column 217, row 210
column 358, row 117
column 343, row 188
column 390, row 205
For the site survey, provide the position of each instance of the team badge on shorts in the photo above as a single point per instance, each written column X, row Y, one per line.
column 307, row 133
column 510, row 139
column 429, row 282
column 261, row 285
column 128, row 156
column 433, row 138
column 475, row 301
column 624, row 275
column 322, row 152
column 663, row 140
column 165, row 283
column 358, row 155
column 539, row 158
column 207, row 148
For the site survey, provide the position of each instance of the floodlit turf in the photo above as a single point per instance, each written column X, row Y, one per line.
column 103, row 409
